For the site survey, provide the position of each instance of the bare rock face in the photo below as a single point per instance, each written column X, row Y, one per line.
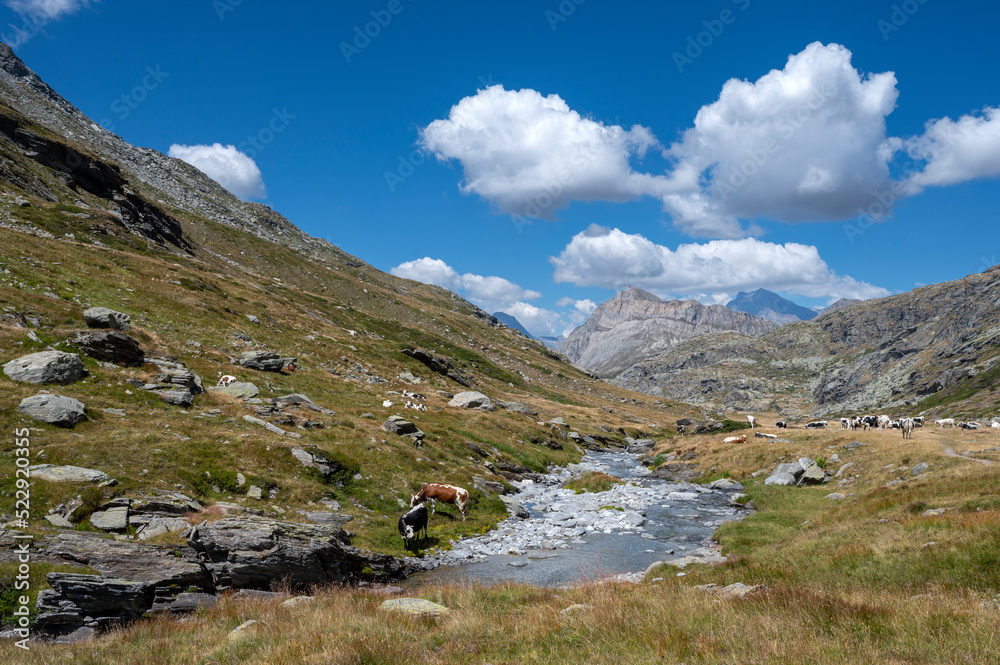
column 250, row 552
column 472, row 399
column 264, row 361
column 45, row 367
column 635, row 324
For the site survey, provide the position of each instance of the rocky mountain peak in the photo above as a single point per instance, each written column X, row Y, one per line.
column 632, row 293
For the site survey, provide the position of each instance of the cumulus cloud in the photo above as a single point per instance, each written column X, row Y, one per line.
column 46, row 10
column 954, row 151
column 531, row 155
column 807, row 142
column 612, row 259
column 226, row 165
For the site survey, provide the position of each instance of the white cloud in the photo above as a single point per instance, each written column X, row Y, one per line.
column 955, row 151
column 531, row 155
column 807, row 142
column 226, row 165
column 493, row 294
column 613, row 259
column 43, row 11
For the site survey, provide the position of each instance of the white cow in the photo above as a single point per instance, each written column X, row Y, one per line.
column 945, row 421
column 906, row 424
column 995, row 425
column 752, row 421
column 883, row 422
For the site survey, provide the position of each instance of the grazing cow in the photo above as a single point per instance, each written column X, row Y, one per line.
column 432, row 492
column 409, row 395
column 895, row 424
column 819, row 424
column 735, row 439
column 945, row 421
column 906, row 424
column 969, row 425
column 752, row 421
column 858, row 422
column 781, row 424
column 845, row 423
column 415, row 407
column 883, row 422
column 870, row 421
column 226, row 380
column 411, row 523
column 918, row 421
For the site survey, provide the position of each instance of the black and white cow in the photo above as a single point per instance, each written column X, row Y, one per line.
column 819, row 424
column 781, row 424
column 411, row 523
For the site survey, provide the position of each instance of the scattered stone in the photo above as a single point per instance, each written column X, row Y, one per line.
column 853, row 445
column 255, row 492
column 814, row 474
column 108, row 345
column 843, row 468
column 415, row 607
column 517, row 407
column 725, row 485
column 45, row 367
column 244, row 629
column 702, row 555
column 158, row 526
column 919, row 468
column 298, row 600
column 115, row 412
column 402, row 427
column 102, row 317
column 471, row 399
column 515, row 508
column 780, row 478
column 934, row 512
column 59, row 521
column 253, row 319
column 737, row 590
column 54, row 409
column 836, row 496
column 293, row 398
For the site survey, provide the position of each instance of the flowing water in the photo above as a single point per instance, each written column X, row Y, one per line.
column 575, row 537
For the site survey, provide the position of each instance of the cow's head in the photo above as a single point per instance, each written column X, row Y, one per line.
column 408, row 532
column 414, row 500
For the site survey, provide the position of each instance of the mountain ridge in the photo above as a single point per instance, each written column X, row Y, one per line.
column 769, row 305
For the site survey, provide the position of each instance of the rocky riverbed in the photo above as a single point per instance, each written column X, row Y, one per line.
column 570, row 535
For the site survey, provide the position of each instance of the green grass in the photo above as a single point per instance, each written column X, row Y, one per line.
column 592, row 481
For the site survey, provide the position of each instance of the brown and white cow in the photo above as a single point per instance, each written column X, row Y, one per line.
column 432, row 492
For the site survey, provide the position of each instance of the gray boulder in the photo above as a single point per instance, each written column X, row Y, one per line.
column 112, row 519
column 400, row 426
column 45, row 367
column 471, row 399
column 793, row 468
column 264, row 361
column 726, row 485
column 919, row 468
column 515, row 508
column 54, row 409
column 251, row 552
column 102, row 317
column 108, row 345
column 814, row 475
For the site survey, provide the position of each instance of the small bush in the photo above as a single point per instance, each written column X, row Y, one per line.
column 733, row 425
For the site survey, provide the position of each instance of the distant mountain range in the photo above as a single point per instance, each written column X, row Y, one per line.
column 511, row 321
column 636, row 324
column 769, row 305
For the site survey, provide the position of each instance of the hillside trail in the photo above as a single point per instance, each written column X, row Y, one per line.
column 950, row 452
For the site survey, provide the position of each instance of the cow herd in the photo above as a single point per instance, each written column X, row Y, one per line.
column 412, row 522
column 883, row 422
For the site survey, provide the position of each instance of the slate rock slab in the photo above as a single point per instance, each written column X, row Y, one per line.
column 102, row 317
column 54, row 409
column 45, row 367
column 239, row 389
column 265, row 361
column 66, row 474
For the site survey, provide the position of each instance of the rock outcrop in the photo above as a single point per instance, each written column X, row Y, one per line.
column 108, row 345
column 54, row 409
column 471, row 399
column 102, row 317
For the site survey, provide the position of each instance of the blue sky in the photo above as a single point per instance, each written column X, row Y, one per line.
column 536, row 156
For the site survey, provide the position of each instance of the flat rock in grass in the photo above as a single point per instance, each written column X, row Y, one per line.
column 181, row 397
column 102, row 317
column 702, row 555
column 238, row 389
column 919, row 468
column 158, row 526
column 59, row 521
column 414, row 607
column 108, row 345
column 45, row 367
column 54, row 409
column 400, row 426
column 293, row 398
column 471, row 399
column 298, row 600
column 735, row 590
column 244, row 629
column 66, row 474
